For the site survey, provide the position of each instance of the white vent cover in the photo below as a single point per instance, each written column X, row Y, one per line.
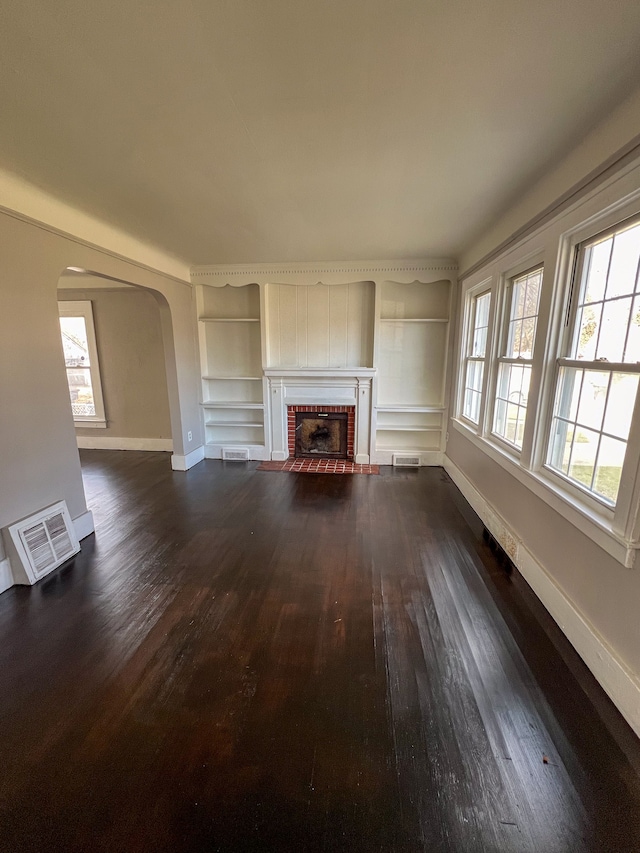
column 41, row 543
column 401, row 460
column 235, row 454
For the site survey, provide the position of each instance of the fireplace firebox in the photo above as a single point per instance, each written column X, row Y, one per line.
column 321, row 435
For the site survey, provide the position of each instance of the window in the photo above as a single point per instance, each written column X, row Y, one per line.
column 81, row 361
column 475, row 356
column 598, row 375
column 514, row 369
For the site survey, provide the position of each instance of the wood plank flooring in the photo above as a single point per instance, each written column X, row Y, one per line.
column 240, row 661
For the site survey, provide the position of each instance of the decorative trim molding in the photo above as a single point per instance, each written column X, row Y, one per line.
column 405, row 271
column 84, row 525
column 620, row 684
column 183, row 463
column 100, row 442
column 6, row 576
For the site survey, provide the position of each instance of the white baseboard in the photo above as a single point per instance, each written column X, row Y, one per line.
column 83, row 525
column 100, row 442
column 279, row 456
column 6, row 576
column 620, row 684
column 183, row 463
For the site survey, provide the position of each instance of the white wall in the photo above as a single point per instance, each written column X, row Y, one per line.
column 39, row 463
column 132, row 364
column 586, row 587
column 607, row 138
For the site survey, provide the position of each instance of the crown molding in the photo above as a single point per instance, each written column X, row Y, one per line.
column 326, row 272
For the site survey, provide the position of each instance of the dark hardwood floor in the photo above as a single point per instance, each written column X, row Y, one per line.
column 249, row 661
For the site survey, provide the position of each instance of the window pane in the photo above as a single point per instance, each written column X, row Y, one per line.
column 624, row 262
column 523, row 312
column 583, row 456
column 81, row 392
column 632, row 351
column 607, row 313
column 561, row 442
column 590, row 317
column 591, row 423
column 479, row 342
column 511, row 402
column 609, row 468
column 74, row 341
column 613, row 331
column 622, row 399
column 593, row 396
column 596, row 268
column 570, row 386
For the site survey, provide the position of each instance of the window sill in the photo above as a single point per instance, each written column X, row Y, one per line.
column 80, row 424
column 597, row 527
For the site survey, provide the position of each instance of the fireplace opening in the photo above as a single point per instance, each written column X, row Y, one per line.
column 321, row 435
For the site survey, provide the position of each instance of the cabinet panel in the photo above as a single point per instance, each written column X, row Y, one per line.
column 415, row 301
column 412, row 364
column 233, row 349
column 231, row 302
column 320, row 325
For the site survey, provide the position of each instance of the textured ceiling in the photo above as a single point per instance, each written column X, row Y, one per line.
column 285, row 130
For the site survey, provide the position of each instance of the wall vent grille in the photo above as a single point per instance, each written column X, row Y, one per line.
column 402, row 460
column 235, row 454
column 43, row 541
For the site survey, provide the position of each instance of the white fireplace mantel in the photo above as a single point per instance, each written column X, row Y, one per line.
column 316, row 386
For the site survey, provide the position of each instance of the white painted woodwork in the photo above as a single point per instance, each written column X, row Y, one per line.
column 369, row 334
column 320, row 325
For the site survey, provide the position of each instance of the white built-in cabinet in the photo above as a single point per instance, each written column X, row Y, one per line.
column 413, row 338
column 398, row 331
column 230, row 332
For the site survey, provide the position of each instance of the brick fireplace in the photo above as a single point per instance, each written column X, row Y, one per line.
column 295, row 416
column 319, row 390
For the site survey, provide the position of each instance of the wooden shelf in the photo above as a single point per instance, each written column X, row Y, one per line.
column 229, row 319
column 414, row 320
column 233, row 378
column 230, row 404
column 399, row 408
column 252, row 424
column 408, row 429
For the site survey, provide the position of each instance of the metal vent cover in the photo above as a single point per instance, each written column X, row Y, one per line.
column 235, row 454
column 43, row 541
column 402, row 460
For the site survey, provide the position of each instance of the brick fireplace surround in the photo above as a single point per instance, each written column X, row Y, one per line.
column 324, row 410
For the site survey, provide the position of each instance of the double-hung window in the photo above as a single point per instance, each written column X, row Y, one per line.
column 597, row 376
column 515, row 361
column 475, row 355
column 81, row 362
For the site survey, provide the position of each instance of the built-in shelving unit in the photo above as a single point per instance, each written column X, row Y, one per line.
column 412, row 360
column 231, row 355
column 372, row 335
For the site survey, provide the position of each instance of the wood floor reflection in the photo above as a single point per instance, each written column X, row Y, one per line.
column 245, row 661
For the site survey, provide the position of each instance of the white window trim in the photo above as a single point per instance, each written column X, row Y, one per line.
column 85, row 309
column 468, row 321
column 528, row 264
column 616, row 531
